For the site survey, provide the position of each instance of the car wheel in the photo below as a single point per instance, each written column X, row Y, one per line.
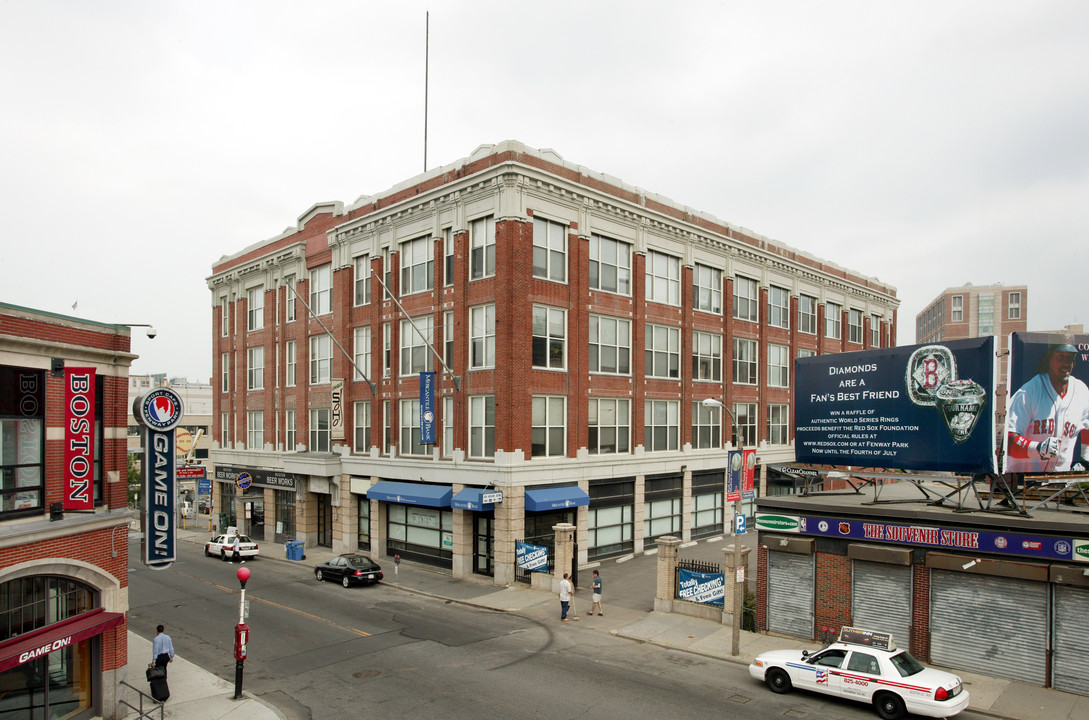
column 889, row 706
column 345, row 582
column 318, row 575
column 778, row 681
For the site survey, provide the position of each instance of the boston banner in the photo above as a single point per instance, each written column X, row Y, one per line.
column 705, row 588
column 79, row 438
column 918, row 407
column 531, row 557
column 1047, row 411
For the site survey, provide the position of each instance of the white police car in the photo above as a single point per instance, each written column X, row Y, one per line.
column 865, row 666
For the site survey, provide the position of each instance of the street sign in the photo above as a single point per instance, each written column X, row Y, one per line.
column 491, row 497
column 739, row 524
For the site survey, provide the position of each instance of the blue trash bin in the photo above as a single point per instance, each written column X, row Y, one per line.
column 294, row 549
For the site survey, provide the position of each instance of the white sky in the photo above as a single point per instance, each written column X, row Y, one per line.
column 926, row 144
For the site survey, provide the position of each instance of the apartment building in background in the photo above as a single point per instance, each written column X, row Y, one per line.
column 574, row 324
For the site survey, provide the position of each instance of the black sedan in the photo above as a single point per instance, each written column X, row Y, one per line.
column 349, row 568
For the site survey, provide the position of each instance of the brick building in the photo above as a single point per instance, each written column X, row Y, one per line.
column 63, row 573
column 576, row 322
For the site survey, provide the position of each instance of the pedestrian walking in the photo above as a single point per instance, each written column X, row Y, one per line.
column 162, row 654
column 567, row 591
column 595, row 587
column 236, row 551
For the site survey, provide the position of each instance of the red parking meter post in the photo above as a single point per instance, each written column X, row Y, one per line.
column 396, row 564
column 241, row 634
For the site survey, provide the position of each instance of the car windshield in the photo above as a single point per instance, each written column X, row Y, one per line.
column 905, row 664
column 362, row 562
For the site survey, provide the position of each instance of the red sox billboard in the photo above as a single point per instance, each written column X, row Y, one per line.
column 919, row 407
column 1047, row 410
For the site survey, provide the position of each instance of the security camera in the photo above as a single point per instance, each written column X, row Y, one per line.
column 152, row 332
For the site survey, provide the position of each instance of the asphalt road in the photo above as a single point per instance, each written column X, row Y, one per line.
column 318, row 650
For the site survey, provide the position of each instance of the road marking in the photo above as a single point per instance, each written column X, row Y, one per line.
column 288, row 608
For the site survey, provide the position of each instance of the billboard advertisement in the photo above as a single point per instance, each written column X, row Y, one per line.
column 918, row 407
column 1047, row 410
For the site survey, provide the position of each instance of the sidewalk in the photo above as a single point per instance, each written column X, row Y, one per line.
column 203, row 696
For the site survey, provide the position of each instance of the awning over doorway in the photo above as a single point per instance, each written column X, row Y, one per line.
column 57, row 637
column 541, row 499
column 472, row 499
column 411, row 493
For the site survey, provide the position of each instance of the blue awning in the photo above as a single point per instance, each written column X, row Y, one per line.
column 411, row 493
column 542, row 499
column 471, row 499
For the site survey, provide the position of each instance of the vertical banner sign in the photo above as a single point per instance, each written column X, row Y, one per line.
column 159, row 411
column 427, row 408
column 733, row 476
column 748, row 472
column 336, row 415
column 79, row 438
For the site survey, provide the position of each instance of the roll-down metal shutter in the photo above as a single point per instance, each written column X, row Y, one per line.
column 790, row 594
column 1069, row 661
column 990, row 625
column 881, row 599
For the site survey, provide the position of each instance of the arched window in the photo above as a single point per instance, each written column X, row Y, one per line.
column 34, row 602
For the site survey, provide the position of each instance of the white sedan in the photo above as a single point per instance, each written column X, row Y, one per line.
column 224, row 547
column 892, row 680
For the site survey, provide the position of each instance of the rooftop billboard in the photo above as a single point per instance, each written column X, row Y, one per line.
column 919, row 407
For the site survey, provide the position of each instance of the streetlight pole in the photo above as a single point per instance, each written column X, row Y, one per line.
column 739, row 588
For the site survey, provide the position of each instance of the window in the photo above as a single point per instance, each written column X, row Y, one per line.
column 807, row 314
column 985, row 314
column 875, row 331
column 319, row 430
column 610, row 345
column 956, row 309
column 289, row 299
column 290, row 362
column 448, row 256
column 22, row 450
column 447, row 426
column 663, row 278
column 549, row 424
column 610, row 265
column 255, row 429
column 255, row 368
column 224, row 318
column 364, row 524
column 706, row 426
column 448, row 337
column 482, row 337
column 289, row 430
column 415, row 354
column 321, row 290
column 362, row 417
column 224, row 430
column 386, row 424
column 854, row 326
column 362, row 341
column 833, row 321
column 482, row 248
column 609, row 426
column 662, row 517
column 386, row 352
column 417, row 266
column 482, row 426
column 778, row 366
column 777, row 424
column 549, row 338
column 745, row 299
column 745, row 423
column 255, row 308
column 779, row 307
column 224, row 372
column 32, row 603
column 363, row 280
column 707, row 289
column 663, row 352
column 706, row 356
column 662, row 425
column 1015, row 306
column 805, row 352
column 549, row 250
column 321, row 358
column 744, row 361
column 410, row 429
column 387, row 272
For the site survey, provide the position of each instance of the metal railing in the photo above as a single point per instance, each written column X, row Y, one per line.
column 141, row 713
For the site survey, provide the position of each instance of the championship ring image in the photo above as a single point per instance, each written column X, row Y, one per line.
column 960, row 403
column 928, row 368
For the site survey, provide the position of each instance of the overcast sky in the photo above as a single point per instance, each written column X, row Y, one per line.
column 926, row 144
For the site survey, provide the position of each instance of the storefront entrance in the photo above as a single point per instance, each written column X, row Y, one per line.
column 325, row 521
column 483, row 542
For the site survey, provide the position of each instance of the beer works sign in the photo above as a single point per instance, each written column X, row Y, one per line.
column 159, row 411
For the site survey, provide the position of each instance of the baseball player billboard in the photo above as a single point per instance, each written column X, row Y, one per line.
column 1047, row 409
column 918, row 407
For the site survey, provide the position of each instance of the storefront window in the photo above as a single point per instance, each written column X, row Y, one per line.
column 285, row 515
column 364, row 523
column 22, row 441
column 31, row 603
column 422, row 534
